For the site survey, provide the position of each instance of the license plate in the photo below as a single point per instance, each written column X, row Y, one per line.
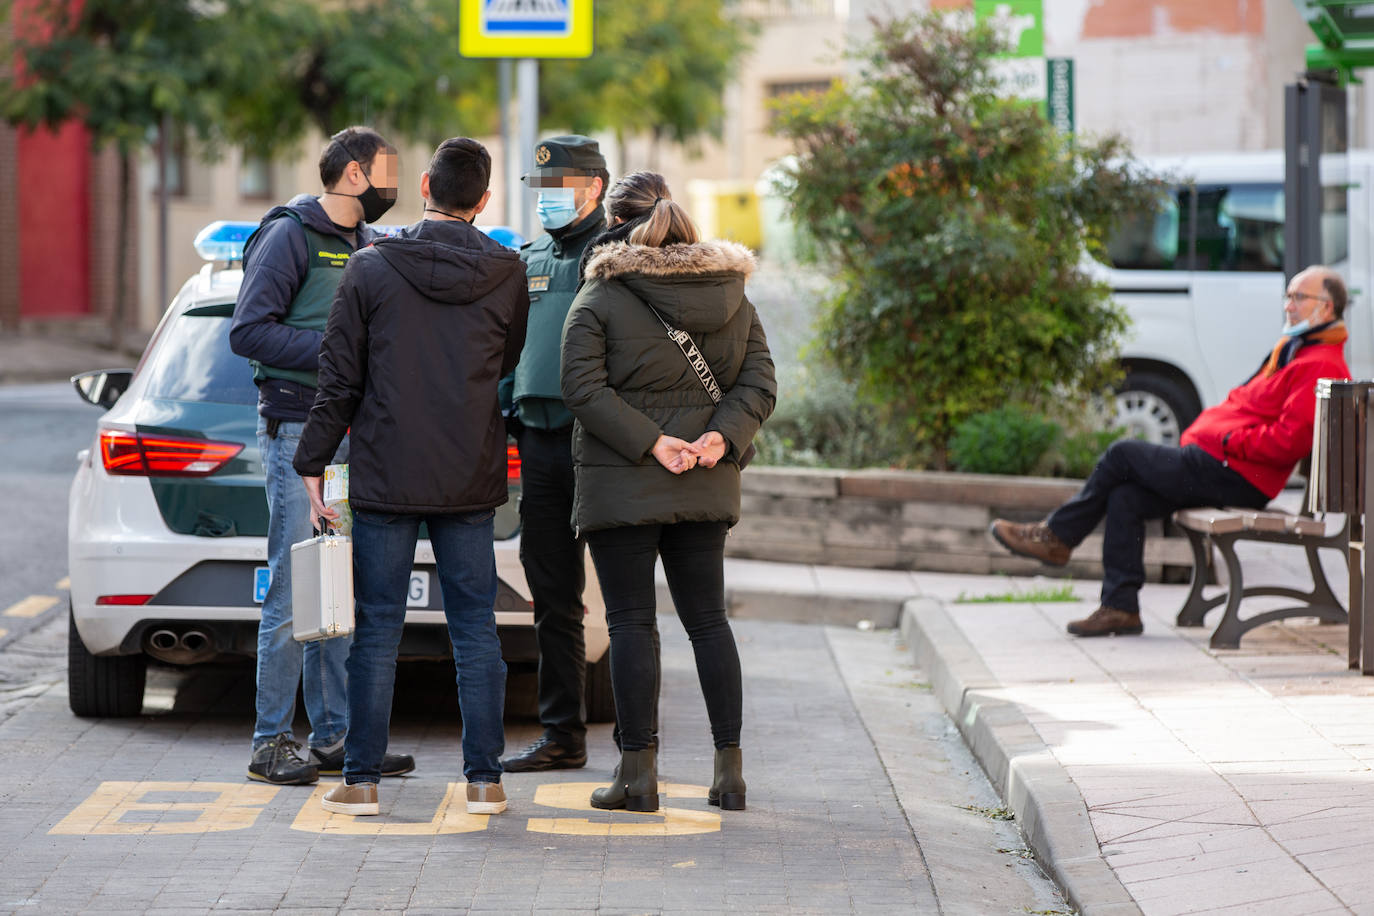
column 262, row 580
column 418, row 596
column 417, row 593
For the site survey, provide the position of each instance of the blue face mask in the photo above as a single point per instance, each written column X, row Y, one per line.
column 1293, row 330
column 556, row 207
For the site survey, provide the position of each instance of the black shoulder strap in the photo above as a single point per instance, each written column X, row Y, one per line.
column 694, row 356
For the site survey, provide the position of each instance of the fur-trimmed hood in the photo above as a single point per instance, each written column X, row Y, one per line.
column 714, row 257
column 697, row 287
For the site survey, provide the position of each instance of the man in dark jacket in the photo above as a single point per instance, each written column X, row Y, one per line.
column 571, row 178
column 292, row 265
column 1239, row 453
column 422, row 329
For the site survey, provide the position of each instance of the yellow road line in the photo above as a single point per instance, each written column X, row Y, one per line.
column 31, row 606
column 64, row 584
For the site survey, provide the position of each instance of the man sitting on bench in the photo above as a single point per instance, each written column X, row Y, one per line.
column 1238, row 453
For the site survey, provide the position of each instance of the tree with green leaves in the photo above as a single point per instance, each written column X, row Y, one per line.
column 957, row 223
column 121, row 68
column 251, row 73
column 393, row 64
column 661, row 67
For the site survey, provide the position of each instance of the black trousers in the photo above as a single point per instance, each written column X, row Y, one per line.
column 694, row 560
column 1134, row 481
column 554, row 567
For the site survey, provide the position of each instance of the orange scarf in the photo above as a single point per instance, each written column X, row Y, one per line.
column 1288, row 347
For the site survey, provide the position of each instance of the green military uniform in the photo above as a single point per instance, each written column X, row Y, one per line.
column 551, row 268
column 327, row 256
column 553, row 556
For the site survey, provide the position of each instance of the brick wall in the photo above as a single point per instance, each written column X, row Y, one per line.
column 9, row 216
column 105, row 235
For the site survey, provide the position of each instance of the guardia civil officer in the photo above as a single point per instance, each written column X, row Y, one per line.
column 291, row 267
column 570, row 177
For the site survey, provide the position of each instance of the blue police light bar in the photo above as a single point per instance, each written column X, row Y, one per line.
column 505, row 235
column 223, row 240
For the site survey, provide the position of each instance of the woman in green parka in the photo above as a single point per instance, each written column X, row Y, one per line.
column 657, row 457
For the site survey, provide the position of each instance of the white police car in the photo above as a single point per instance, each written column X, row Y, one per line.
column 167, row 516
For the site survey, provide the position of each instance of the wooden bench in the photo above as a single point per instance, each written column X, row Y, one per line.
column 1224, row 528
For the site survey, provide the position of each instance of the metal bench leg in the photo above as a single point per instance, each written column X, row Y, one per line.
column 1229, row 630
column 1195, row 606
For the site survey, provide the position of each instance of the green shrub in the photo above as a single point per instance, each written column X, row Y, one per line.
column 821, row 422
column 1008, row 440
column 955, row 224
column 1079, row 451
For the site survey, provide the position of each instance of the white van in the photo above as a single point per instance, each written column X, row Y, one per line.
column 1202, row 280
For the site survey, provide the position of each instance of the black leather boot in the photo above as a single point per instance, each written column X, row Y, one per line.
column 727, row 791
column 636, row 784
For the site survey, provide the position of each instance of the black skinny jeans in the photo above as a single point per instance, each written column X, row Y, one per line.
column 1134, row 481
column 694, row 560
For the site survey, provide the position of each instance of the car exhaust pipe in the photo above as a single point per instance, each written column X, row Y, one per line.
column 185, row 647
column 195, row 641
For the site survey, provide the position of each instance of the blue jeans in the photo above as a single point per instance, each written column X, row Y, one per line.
column 383, row 555
column 318, row 667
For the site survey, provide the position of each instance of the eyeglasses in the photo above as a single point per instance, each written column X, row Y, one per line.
column 1300, row 296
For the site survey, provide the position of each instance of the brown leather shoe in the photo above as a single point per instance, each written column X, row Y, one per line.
column 486, row 798
column 1107, row 621
column 1036, row 541
column 357, row 799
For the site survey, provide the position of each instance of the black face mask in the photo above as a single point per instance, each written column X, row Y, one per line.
column 375, row 202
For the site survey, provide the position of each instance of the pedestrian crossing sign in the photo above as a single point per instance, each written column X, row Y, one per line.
column 525, row 28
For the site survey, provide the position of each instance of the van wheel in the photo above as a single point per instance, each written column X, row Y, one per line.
column 1154, row 408
column 103, row 686
column 600, row 699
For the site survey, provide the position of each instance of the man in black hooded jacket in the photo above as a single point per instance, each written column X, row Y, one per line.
column 422, row 329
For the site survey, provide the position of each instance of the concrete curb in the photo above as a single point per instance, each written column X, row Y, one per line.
column 803, row 606
column 1048, row 806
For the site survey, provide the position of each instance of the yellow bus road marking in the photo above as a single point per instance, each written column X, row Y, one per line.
column 190, row 807
column 64, row 584
column 31, row 606
column 576, row 796
column 452, row 817
column 125, row 808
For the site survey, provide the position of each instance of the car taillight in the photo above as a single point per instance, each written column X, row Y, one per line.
column 512, row 462
column 144, row 455
column 124, row 599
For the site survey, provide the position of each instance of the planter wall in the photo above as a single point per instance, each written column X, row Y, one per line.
column 915, row 520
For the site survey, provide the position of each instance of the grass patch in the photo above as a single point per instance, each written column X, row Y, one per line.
column 1000, row 813
column 1037, row 593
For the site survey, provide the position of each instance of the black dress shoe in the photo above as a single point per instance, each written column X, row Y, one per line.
column 331, row 763
column 545, row 754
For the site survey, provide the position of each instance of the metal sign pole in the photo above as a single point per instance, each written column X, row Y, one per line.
column 505, row 71
column 527, row 91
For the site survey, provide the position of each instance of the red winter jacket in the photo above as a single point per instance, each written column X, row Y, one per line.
column 1264, row 427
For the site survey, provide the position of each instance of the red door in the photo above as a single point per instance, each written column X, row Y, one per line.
column 54, row 197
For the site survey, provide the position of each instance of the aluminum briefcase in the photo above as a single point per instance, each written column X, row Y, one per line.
column 322, row 587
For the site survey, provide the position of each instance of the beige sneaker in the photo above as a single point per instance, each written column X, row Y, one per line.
column 486, row 798
column 357, row 799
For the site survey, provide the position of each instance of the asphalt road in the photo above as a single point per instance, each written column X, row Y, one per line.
column 42, row 428
column 862, row 798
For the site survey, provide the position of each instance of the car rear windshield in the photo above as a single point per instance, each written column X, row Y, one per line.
column 193, row 361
